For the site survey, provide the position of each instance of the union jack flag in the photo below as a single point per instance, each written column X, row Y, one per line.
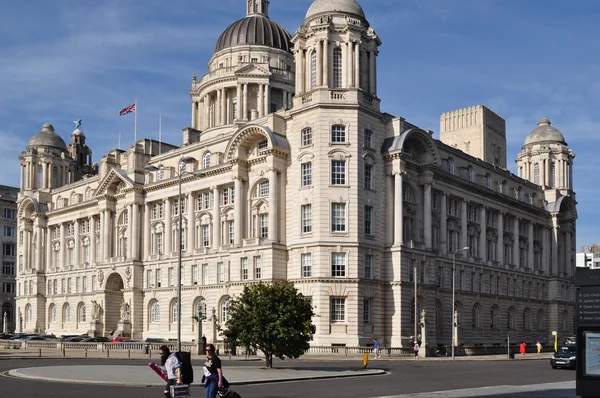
column 126, row 110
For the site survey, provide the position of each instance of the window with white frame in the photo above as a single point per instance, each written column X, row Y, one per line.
column 368, row 266
column 262, row 145
column 155, row 312
column 206, row 160
column 204, row 201
column 368, row 138
column 369, row 212
column 338, row 172
column 174, row 311
column 263, row 220
column 306, row 218
column 338, row 309
column 157, row 211
column 160, row 173
column 337, row 67
column 536, row 173
column 225, row 310
column 221, row 271
column 171, row 276
column 306, row 174
column 205, row 274
column 81, row 314
column 177, row 207
column 338, row 133
column 195, row 274
column 244, row 268
column 313, row 70
column 228, row 196
column 149, row 279
column 338, row 217
column 67, row 313
column 263, row 189
column 257, row 267
column 307, row 136
column 338, row 264
column 231, row 231
column 306, row 259
column 52, row 313
column 205, row 235
column 368, row 182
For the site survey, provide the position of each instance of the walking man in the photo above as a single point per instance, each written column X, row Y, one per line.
column 376, row 351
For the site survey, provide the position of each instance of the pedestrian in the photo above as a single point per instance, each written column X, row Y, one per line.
column 522, row 348
column 213, row 373
column 539, row 347
column 416, row 348
column 376, row 351
column 172, row 366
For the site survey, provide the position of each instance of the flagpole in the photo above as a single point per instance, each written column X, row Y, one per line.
column 119, row 147
column 159, row 134
column 135, row 122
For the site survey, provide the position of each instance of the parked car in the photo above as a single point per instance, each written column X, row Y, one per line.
column 96, row 340
column 26, row 337
column 75, row 339
column 67, row 337
column 155, row 340
column 565, row 357
column 32, row 338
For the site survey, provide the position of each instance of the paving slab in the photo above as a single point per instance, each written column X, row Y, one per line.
column 139, row 375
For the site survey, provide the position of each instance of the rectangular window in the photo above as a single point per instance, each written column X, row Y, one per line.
column 195, row 274
column 369, row 220
column 177, row 207
column 338, row 133
column 264, row 225
column 149, row 280
column 307, row 137
column 159, row 243
column 338, row 264
column 8, row 249
column 9, row 214
column 368, row 266
column 158, row 276
column 69, row 286
column 244, row 268
column 221, row 268
column 338, row 309
column 84, row 284
column 338, row 172
column 338, row 217
column 307, row 174
column 306, row 218
column 205, row 235
column 77, row 285
column 8, row 268
column 205, row 274
column 171, row 276
column 257, row 268
column 93, row 284
column 228, row 196
column 452, row 207
column 366, row 311
column 368, row 176
column 231, row 231
column 472, row 213
column 367, row 139
column 9, row 232
column 306, row 260
column 337, row 68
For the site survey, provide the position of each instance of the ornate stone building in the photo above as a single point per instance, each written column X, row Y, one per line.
column 290, row 171
column 8, row 240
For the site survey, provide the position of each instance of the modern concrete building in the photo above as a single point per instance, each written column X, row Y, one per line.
column 588, row 257
column 290, row 171
column 8, row 240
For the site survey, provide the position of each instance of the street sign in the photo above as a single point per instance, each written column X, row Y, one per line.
column 588, row 304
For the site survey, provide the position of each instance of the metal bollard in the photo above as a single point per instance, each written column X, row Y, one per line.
column 64, row 352
column 86, row 352
column 107, row 353
column 129, row 353
column 40, row 352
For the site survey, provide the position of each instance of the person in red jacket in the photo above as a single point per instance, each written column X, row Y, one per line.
column 522, row 348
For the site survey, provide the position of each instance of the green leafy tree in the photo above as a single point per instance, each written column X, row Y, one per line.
column 274, row 318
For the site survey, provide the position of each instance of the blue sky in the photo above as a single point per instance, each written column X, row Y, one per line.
column 526, row 59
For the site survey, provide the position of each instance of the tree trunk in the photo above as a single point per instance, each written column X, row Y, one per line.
column 269, row 360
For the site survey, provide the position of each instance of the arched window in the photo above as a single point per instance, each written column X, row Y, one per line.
column 81, row 313
column 40, row 177
column 475, row 317
column 52, row 313
column 510, row 318
column 307, row 136
column 160, row 173
column 225, row 310
column 494, row 317
column 28, row 313
column 201, row 308
column 536, row 173
column 154, row 312
column 67, row 313
column 174, row 311
column 122, row 233
column 313, row 70
column 337, row 67
column 450, row 162
column 206, row 160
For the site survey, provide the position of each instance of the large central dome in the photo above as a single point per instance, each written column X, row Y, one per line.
column 254, row 29
column 345, row 6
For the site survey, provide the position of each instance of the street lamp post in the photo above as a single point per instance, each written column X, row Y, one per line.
column 182, row 162
column 453, row 296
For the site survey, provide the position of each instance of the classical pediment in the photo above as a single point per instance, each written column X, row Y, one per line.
column 114, row 182
column 252, row 70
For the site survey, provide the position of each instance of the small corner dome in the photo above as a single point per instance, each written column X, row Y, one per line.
column 325, row 6
column 544, row 132
column 254, row 29
column 77, row 132
column 47, row 138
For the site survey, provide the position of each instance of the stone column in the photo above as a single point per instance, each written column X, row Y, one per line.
column 168, row 228
column 217, row 219
column 319, row 71
column 238, row 222
column 191, row 227
column 39, row 244
column 228, row 116
column 398, row 208
column 50, row 176
column 464, row 230
column 194, row 113
column 107, row 235
column 92, row 240
column 239, row 101
column 261, row 100
column 218, row 108
column 530, row 253
column 207, row 121
column 326, row 62
column 546, row 266
column 77, row 244
column 571, row 176
column 101, row 256
column 62, row 245
column 348, row 62
column 146, row 227
column 373, row 73
column 482, row 234
column 273, row 205
column 444, row 223
column 389, row 208
column 200, row 115
column 267, row 99
column 49, row 249
column 135, row 232
column 427, row 214
column 357, row 66
column 245, row 102
column 345, row 77
column 516, row 248
column 500, row 242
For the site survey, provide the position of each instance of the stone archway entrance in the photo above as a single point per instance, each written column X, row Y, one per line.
column 113, row 293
